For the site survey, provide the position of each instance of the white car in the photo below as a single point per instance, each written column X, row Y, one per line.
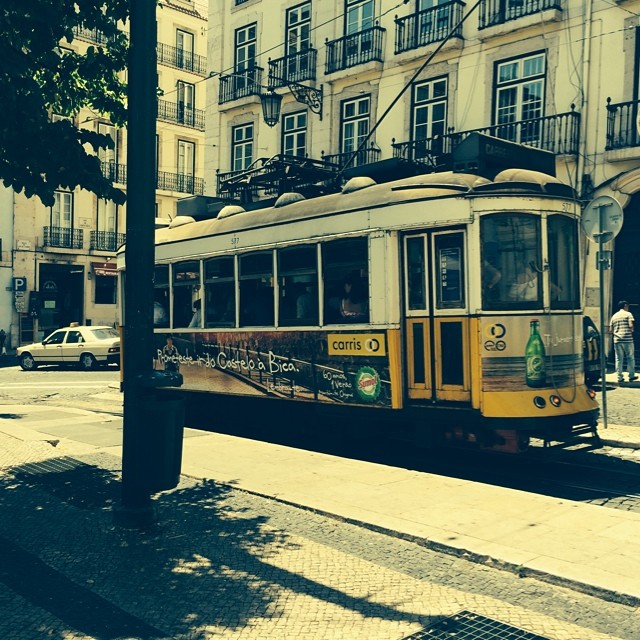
column 84, row 346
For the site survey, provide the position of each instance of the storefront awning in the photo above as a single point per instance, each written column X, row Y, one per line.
column 104, row 268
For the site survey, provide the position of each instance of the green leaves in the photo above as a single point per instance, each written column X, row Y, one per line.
column 39, row 76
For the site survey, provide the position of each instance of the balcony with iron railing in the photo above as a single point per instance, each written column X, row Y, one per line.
column 181, row 59
column 240, row 84
column 428, row 26
column 293, row 68
column 106, row 240
column 63, row 237
column 494, row 12
column 368, row 155
column 181, row 182
column 355, row 49
column 114, row 171
column 90, row 35
column 622, row 127
column 559, row 134
column 179, row 113
column 165, row 180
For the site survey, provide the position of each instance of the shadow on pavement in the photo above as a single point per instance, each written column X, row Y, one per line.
column 209, row 565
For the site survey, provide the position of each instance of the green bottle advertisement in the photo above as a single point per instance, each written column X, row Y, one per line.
column 534, row 357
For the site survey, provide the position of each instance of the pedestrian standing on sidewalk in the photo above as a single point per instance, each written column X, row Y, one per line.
column 621, row 327
column 3, row 338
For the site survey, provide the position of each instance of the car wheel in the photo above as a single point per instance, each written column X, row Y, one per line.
column 27, row 362
column 87, row 362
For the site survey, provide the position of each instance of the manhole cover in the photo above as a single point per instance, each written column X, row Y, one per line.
column 467, row 625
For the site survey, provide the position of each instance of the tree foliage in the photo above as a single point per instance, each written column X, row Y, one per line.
column 40, row 77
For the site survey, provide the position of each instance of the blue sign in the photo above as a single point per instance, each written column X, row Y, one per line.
column 20, row 283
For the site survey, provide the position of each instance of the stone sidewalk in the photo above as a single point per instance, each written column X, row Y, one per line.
column 217, row 566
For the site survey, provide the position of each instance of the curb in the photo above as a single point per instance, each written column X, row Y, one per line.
column 522, row 571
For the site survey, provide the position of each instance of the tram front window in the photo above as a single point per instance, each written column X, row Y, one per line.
column 511, row 259
column 563, row 262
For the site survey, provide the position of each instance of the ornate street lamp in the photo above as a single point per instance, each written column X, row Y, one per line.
column 271, row 102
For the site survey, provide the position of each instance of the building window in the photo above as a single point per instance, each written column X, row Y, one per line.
column 186, row 103
column 298, row 40
column 186, row 165
column 429, row 109
column 354, row 127
column 359, row 16
column 519, row 98
column 245, row 55
column 294, row 134
column 108, row 155
column 107, row 215
column 184, row 49
column 241, row 147
column 62, row 210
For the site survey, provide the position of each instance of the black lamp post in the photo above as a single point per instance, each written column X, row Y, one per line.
column 271, row 103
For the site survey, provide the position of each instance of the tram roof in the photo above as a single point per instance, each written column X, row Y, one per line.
column 363, row 193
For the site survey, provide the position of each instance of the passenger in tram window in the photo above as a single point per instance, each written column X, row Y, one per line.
column 353, row 306
column 306, row 305
column 491, row 276
column 197, row 314
column 524, row 288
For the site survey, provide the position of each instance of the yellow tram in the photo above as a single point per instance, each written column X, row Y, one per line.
column 445, row 306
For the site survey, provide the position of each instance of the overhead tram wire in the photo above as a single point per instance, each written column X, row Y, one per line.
column 406, row 86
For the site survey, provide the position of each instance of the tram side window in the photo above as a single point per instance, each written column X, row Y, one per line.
column 298, row 278
column 563, row 262
column 256, row 289
column 186, row 289
column 511, row 261
column 161, row 296
column 345, row 270
column 220, row 292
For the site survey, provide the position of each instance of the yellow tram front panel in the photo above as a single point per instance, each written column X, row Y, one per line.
column 531, row 366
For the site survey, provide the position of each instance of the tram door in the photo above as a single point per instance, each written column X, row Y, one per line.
column 436, row 316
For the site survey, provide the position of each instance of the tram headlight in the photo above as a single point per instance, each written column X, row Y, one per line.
column 591, row 393
column 540, row 402
column 555, row 401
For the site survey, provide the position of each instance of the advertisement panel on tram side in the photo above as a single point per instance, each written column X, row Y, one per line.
column 531, row 352
column 536, row 359
column 323, row 366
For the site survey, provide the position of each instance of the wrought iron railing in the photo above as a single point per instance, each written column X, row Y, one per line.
column 91, row 35
column 293, row 68
column 63, row 237
column 622, row 127
column 164, row 179
column 115, row 172
column 223, row 190
column 181, row 59
column 240, row 84
column 180, row 113
column 431, row 25
column 344, row 160
column 559, row 134
column 181, row 182
column 106, row 240
column 354, row 49
column 493, row 12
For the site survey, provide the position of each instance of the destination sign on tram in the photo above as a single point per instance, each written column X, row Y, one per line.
column 356, row 344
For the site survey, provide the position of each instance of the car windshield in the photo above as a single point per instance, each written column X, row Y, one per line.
column 104, row 334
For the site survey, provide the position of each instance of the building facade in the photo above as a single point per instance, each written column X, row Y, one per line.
column 559, row 75
column 64, row 255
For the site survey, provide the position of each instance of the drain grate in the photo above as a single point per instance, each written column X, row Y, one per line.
column 467, row 625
